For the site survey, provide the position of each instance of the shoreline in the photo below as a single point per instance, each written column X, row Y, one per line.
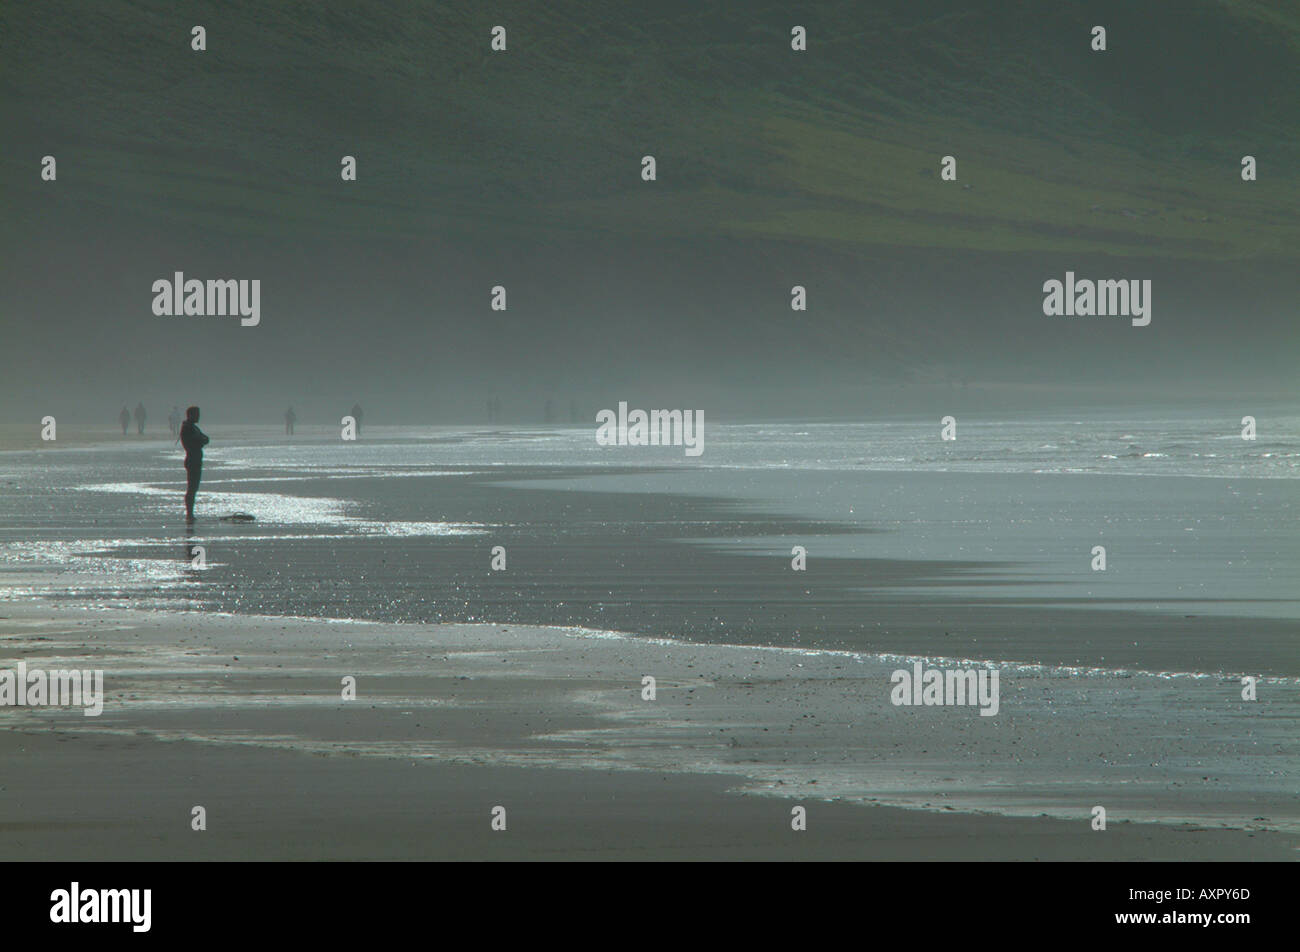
column 738, row 728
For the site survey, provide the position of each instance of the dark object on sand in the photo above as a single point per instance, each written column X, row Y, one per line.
column 239, row 517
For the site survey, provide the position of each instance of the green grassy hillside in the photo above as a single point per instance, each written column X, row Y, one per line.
column 1134, row 150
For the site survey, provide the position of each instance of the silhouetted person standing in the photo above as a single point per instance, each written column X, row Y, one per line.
column 174, row 420
column 139, row 418
column 356, row 415
column 193, row 440
column 290, row 418
column 125, row 419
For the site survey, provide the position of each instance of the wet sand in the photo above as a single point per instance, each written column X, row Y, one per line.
column 479, row 689
column 244, row 717
column 646, row 562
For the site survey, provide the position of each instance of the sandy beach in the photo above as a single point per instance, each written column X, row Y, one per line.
column 525, row 688
column 244, row 716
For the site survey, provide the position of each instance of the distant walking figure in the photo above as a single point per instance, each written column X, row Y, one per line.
column 174, row 420
column 193, row 440
column 125, row 419
column 139, row 418
column 290, row 418
column 356, row 415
